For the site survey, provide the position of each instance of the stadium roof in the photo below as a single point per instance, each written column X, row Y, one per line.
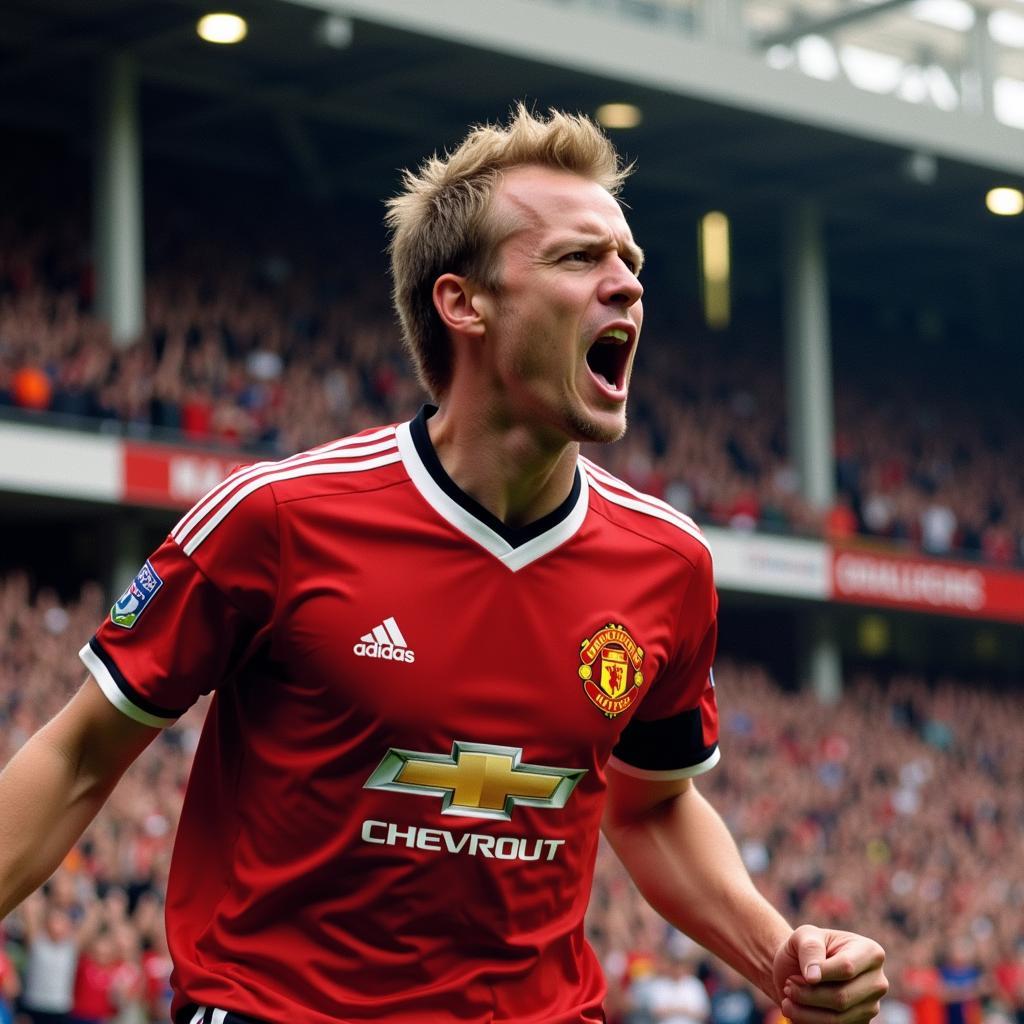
column 339, row 104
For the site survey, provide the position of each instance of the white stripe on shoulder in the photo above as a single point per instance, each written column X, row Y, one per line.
column 670, row 776
column 350, row 447
column 653, row 507
column 614, row 481
column 113, row 693
column 317, row 469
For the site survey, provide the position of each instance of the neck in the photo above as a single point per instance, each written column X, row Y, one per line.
column 506, row 466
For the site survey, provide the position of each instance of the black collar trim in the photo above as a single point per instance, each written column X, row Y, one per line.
column 514, row 536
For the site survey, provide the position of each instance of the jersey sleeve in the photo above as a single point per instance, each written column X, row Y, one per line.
column 674, row 733
column 198, row 606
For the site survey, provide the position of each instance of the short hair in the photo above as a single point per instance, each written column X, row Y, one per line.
column 440, row 223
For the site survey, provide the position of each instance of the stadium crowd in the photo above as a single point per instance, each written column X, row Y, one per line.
column 898, row 812
column 246, row 347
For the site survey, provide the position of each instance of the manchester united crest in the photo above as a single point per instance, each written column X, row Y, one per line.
column 611, row 669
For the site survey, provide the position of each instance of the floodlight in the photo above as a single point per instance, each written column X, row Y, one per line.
column 335, row 31
column 1008, row 100
column 221, row 27
column 921, row 167
column 715, row 260
column 1007, row 28
column 954, row 14
column 619, row 115
column 1005, row 202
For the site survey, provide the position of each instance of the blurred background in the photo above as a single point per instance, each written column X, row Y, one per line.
column 192, row 276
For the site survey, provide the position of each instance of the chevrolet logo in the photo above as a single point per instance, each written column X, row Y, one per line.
column 478, row 780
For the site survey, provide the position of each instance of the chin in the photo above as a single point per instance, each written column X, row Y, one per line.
column 597, row 429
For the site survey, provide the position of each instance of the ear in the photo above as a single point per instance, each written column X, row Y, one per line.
column 456, row 300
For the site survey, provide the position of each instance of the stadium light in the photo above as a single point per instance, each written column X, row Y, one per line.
column 957, row 15
column 921, row 168
column 1005, row 202
column 713, row 238
column 873, row 635
column 1008, row 101
column 817, row 58
column 619, row 115
column 335, row 31
column 222, row 28
column 1006, row 28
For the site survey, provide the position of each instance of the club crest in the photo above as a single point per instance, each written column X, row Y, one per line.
column 611, row 669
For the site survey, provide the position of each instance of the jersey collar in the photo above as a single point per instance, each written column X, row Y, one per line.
column 517, row 547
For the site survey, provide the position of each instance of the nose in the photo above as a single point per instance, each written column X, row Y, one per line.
column 620, row 287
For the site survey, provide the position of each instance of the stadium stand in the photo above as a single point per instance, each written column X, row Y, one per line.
column 908, row 775
column 263, row 350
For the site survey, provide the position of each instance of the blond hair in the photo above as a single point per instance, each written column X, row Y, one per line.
column 440, row 221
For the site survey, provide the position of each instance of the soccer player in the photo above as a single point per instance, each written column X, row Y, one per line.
column 443, row 653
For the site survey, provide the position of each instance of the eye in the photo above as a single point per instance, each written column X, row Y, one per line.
column 632, row 262
column 579, row 256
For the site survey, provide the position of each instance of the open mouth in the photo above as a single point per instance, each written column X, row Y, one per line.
column 608, row 358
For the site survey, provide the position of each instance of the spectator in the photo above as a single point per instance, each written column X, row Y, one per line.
column 732, row 1000
column 938, row 525
column 675, row 995
column 52, row 942
column 921, row 984
column 1009, row 979
column 963, row 983
column 93, row 1001
column 841, row 521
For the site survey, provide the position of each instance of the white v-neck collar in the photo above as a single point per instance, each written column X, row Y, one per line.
column 514, row 557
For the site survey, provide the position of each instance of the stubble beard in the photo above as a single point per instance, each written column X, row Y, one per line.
column 583, row 429
column 586, row 429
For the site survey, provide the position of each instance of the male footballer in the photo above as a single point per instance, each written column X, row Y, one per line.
column 444, row 655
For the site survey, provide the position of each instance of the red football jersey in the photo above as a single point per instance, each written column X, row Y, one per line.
column 394, row 809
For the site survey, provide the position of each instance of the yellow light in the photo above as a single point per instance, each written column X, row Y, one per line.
column 619, row 115
column 986, row 645
column 222, row 28
column 1005, row 202
column 715, row 268
column 873, row 635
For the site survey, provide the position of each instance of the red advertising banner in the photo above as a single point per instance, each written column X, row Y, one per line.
column 171, row 477
column 922, row 584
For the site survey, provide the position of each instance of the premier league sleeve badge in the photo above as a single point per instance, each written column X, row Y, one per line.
column 127, row 609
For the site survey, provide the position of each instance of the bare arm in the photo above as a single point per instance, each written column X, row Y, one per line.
column 56, row 783
column 685, row 863
column 682, row 858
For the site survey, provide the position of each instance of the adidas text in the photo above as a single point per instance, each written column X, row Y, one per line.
column 385, row 652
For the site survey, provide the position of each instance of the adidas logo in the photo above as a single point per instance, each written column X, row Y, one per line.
column 385, row 641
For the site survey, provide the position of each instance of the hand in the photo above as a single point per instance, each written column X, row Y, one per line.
column 824, row 976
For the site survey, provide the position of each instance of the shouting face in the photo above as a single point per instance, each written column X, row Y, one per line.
column 562, row 327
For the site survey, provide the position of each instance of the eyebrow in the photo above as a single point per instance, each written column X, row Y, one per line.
column 588, row 239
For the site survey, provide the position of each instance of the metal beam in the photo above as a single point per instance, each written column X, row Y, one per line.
column 801, row 27
column 600, row 44
column 117, row 211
